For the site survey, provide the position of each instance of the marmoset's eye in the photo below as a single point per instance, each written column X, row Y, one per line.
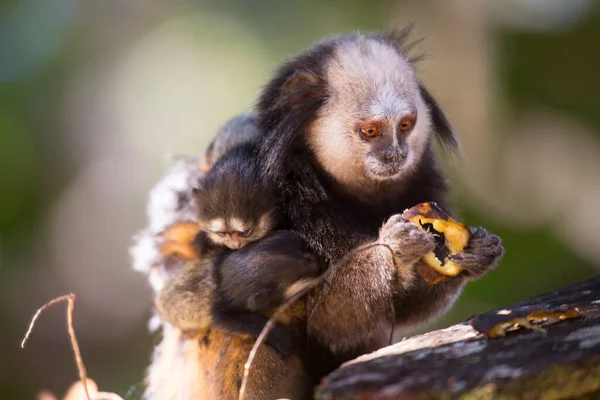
column 245, row 233
column 407, row 122
column 370, row 131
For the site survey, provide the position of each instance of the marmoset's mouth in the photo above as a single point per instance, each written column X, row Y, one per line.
column 379, row 170
column 384, row 166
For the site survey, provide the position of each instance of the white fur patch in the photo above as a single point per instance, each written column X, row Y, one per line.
column 236, row 224
column 164, row 208
column 217, row 225
column 144, row 252
column 157, row 278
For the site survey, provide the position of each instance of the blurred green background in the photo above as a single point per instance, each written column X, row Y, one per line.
column 95, row 96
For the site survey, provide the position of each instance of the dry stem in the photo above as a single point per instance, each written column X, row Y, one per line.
column 70, row 299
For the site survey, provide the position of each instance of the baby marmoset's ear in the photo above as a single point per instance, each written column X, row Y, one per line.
column 441, row 126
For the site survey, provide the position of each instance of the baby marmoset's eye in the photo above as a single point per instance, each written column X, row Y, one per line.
column 245, row 233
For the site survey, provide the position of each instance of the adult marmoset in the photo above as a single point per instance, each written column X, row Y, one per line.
column 348, row 142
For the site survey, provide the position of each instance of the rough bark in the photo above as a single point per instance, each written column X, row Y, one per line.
column 460, row 363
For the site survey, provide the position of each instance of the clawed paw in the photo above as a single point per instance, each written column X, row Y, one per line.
column 481, row 254
column 408, row 241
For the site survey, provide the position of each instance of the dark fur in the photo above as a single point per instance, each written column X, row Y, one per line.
column 234, row 187
column 281, row 259
column 190, row 300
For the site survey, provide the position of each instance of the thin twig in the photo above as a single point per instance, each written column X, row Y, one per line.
column 273, row 320
column 265, row 331
column 70, row 299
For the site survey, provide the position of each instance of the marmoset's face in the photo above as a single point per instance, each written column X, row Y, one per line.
column 236, row 233
column 375, row 125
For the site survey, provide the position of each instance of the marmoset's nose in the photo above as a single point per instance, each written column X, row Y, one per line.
column 393, row 153
column 236, row 241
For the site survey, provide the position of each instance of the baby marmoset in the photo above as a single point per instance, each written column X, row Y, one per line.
column 236, row 208
column 187, row 298
column 171, row 207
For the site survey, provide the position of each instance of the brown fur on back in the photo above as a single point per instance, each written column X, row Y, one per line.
column 210, row 366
